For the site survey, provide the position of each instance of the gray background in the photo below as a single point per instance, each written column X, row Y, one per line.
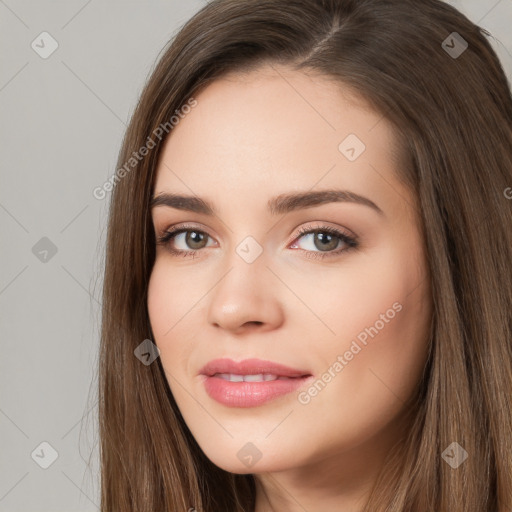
column 62, row 122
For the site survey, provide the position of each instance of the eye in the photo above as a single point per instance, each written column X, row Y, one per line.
column 189, row 238
column 324, row 241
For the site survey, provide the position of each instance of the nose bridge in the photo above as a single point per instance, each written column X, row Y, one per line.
column 245, row 292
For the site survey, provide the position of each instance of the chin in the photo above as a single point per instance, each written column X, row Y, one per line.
column 246, row 458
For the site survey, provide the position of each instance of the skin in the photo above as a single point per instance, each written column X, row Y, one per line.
column 251, row 137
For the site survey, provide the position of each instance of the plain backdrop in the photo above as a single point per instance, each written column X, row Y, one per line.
column 62, row 122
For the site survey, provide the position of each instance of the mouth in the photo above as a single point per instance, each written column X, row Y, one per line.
column 251, row 382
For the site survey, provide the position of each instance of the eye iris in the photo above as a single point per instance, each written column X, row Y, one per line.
column 195, row 237
column 327, row 241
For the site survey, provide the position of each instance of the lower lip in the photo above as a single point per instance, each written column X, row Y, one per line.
column 249, row 394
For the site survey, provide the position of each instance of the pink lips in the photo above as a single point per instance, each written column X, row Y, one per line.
column 268, row 381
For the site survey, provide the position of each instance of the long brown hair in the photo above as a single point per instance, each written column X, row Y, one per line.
column 451, row 107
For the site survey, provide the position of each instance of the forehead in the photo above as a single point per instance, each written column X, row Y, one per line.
column 257, row 133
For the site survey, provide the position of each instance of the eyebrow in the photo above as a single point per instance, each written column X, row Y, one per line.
column 278, row 205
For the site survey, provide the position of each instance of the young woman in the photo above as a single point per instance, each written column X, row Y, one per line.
column 308, row 292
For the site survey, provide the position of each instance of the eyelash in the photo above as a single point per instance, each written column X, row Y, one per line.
column 350, row 241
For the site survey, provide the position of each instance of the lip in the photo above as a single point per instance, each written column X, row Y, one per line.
column 250, row 367
column 250, row 394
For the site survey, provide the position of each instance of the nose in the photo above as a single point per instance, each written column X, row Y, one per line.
column 246, row 299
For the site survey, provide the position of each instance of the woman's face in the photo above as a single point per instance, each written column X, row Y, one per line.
column 348, row 309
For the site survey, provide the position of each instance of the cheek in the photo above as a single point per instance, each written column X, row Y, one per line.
column 391, row 350
column 168, row 306
column 381, row 313
column 159, row 307
column 376, row 376
column 171, row 295
column 375, row 385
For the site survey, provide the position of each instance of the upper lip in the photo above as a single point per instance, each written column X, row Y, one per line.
column 250, row 367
